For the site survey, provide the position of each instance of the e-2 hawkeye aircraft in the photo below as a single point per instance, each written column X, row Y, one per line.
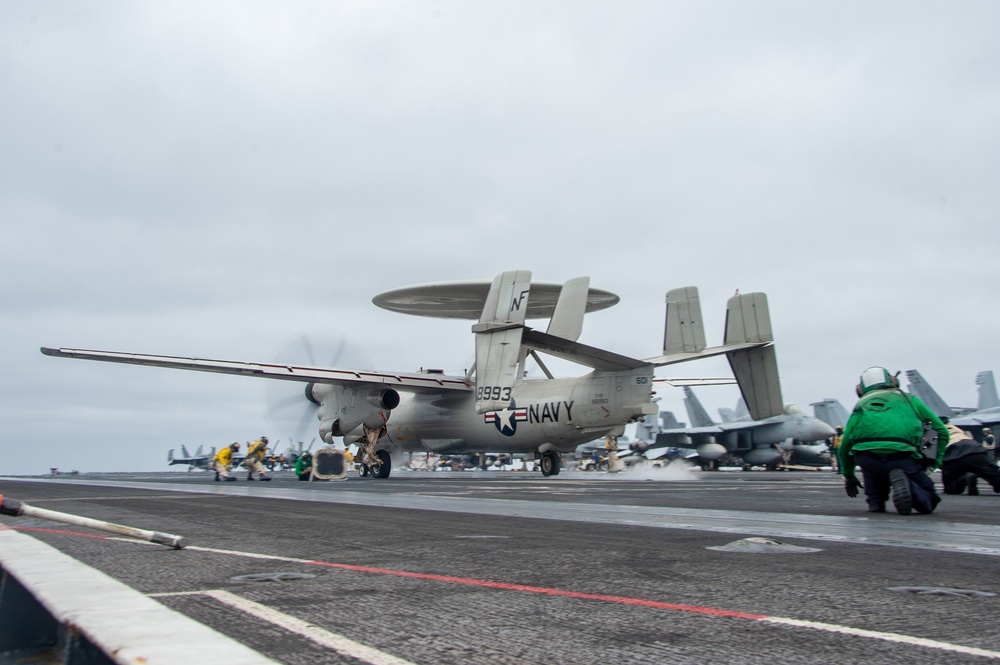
column 494, row 407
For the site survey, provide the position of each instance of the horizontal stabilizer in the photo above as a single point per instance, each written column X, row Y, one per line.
column 684, row 331
column 582, row 354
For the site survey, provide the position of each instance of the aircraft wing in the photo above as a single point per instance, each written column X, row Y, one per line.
column 430, row 383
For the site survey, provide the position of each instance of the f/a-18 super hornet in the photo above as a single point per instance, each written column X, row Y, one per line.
column 753, row 441
column 494, row 407
column 197, row 461
column 986, row 413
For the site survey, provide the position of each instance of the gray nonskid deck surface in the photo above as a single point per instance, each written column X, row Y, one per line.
column 438, row 568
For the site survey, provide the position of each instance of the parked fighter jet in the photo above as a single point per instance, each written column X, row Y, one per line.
column 987, row 413
column 494, row 407
column 199, row 460
column 196, row 461
column 754, row 441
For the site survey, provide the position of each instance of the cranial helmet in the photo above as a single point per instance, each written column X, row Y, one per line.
column 264, row 439
column 875, row 377
column 234, row 446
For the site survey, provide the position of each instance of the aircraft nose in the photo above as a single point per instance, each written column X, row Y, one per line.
column 820, row 430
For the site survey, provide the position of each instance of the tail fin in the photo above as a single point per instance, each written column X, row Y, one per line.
column 185, row 451
column 987, row 391
column 170, row 455
column 669, row 421
column 756, row 370
column 696, row 412
column 683, row 331
column 498, row 339
column 567, row 319
column 830, row 412
column 741, row 410
column 919, row 387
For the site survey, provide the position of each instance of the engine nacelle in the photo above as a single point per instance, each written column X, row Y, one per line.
column 344, row 409
column 385, row 399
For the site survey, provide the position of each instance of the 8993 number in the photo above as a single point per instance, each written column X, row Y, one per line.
column 495, row 393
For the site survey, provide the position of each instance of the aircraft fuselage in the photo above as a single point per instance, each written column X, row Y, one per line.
column 544, row 415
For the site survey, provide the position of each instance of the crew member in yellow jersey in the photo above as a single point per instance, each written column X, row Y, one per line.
column 222, row 460
column 255, row 457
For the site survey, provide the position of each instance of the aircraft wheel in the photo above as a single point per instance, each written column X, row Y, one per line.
column 550, row 464
column 384, row 467
column 363, row 470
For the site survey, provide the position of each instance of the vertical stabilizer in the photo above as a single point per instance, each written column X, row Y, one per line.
column 684, row 331
column 748, row 320
column 696, row 412
column 741, row 411
column 669, row 421
column 919, row 387
column 498, row 339
column 567, row 319
column 830, row 411
column 987, row 391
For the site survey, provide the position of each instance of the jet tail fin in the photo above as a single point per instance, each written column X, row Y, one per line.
column 669, row 421
column 185, row 451
column 987, row 391
column 683, row 331
column 830, row 411
column 567, row 319
column 919, row 387
column 696, row 412
column 748, row 320
column 498, row 339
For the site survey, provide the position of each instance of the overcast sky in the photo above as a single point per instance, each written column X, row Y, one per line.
column 212, row 179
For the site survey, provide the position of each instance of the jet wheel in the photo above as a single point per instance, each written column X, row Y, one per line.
column 550, row 464
column 363, row 470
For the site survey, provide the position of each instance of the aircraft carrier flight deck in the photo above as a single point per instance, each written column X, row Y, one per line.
column 507, row 567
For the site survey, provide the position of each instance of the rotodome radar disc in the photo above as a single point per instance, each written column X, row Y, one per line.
column 465, row 300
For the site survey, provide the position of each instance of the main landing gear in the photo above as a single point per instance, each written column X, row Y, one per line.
column 374, row 463
column 550, row 463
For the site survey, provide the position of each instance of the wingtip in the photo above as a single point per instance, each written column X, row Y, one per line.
column 49, row 352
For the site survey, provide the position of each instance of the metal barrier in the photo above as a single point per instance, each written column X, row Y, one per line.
column 55, row 609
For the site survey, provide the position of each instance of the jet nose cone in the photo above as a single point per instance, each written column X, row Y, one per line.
column 820, row 430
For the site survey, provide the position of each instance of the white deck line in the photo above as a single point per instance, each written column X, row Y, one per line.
column 126, row 625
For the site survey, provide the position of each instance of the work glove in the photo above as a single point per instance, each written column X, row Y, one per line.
column 851, row 486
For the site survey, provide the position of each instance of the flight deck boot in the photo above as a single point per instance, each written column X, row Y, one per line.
column 901, row 497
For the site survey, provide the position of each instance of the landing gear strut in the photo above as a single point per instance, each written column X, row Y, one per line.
column 375, row 463
column 550, row 463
